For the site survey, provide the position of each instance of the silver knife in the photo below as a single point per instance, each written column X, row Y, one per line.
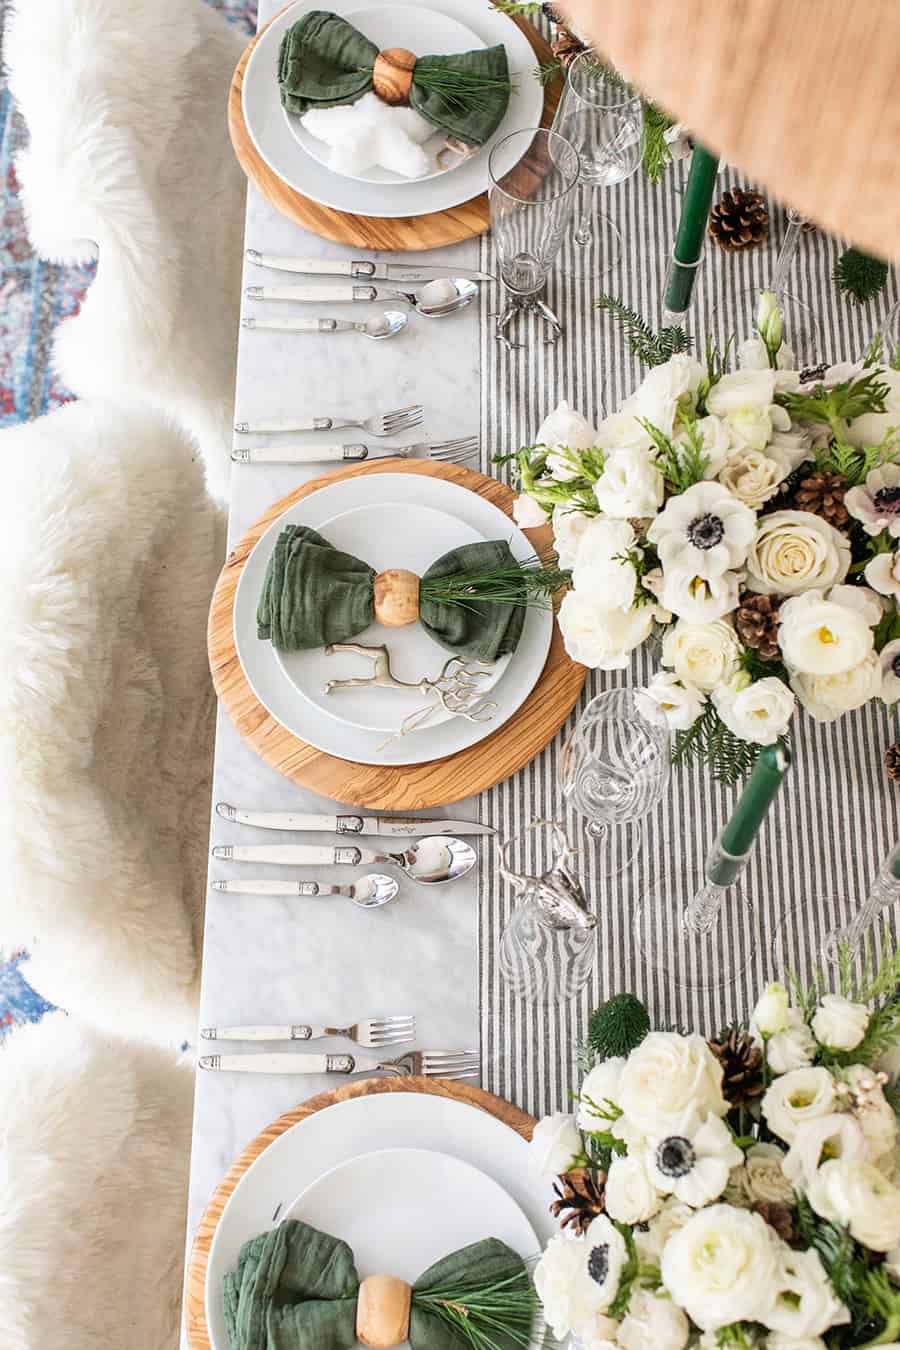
column 393, row 827
column 361, row 267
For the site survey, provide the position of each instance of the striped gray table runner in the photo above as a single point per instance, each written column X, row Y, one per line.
column 838, row 814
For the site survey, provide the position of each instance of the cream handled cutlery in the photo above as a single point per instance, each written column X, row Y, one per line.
column 380, row 424
column 453, row 1064
column 358, row 267
column 389, row 826
column 451, row 452
column 379, row 326
column 373, row 1033
column 436, row 299
column 431, row 860
column 369, row 892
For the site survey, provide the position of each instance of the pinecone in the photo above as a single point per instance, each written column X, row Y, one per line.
column 742, row 1066
column 580, row 1198
column 739, row 220
column 892, row 762
column 778, row 1217
column 757, row 619
column 823, row 494
column 566, row 46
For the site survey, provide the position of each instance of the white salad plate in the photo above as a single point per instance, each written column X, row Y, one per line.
column 432, row 34
column 304, row 718
column 372, row 533
column 274, row 139
column 327, row 1139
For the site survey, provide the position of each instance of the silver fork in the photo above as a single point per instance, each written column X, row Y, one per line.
column 449, row 452
column 381, row 424
column 373, row 1033
column 452, row 1064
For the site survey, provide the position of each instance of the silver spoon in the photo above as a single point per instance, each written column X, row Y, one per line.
column 432, row 301
column 431, row 860
column 379, row 326
column 369, row 892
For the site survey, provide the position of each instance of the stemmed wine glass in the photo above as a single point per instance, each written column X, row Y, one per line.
column 604, row 120
column 613, row 770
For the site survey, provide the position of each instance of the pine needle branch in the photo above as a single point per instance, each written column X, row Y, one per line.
column 859, row 275
column 649, row 347
column 710, row 742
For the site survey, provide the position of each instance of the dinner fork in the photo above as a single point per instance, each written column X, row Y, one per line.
column 374, row 1033
column 452, row 1064
column 449, row 452
column 381, row 424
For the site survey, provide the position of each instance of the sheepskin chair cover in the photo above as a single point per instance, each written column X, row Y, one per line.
column 109, row 547
column 94, row 1152
column 129, row 161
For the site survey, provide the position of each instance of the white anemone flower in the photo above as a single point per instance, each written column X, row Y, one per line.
column 704, row 531
column 694, row 1166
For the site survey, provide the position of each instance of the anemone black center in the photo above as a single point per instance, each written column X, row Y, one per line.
column 887, row 500
column 675, row 1157
column 706, row 531
column 895, row 665
column 598, row 1263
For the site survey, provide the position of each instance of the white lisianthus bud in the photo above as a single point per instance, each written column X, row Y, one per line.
column 771, row 1012
column 840, row 1024
column 768, row 321
column 793, row 1048
column 554, row 1146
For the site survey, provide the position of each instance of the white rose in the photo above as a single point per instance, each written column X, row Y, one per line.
column 722, row 1267
column 776, row 1340
column 527, row 514
column 564, row 1286
column 873, row 1112
column 695, row 1165
column 889, row 666
column 667, row 1079
column 751, row 476
column 651, row 1241
column 840, row 1024
column 630, row 485
column 602, row 639
column 568, row 527
column 699, row 599
column 827, row 697
column 701, row 654
column 653, row 1321
column 806, row 1304
column 820, row 636
column 745, row 400
column 802, row 1094
column 682, row 705
column 772, row 1008
column 760, row 1178
column 602, row 570
column 759, row 713
column 555, row 1144
column 631, row 1196
column 704, row 531
column 716, row 439
column 883, row 573
column 837, row 1135
column 854, row 1194
column 793, row 1048
column 795, row 551
column 598, row 1091
column 871, row 428
column 606, row 1256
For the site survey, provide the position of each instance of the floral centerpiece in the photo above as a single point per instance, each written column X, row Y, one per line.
column 755, row 515
column 740, row 1192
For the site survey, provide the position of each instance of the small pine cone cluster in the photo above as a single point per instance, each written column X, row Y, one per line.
column 566, row 46
column 579, row 1198
column 778, row 1217
column 739, row 220
column 742, row 1067
column 823, row 494
column 892, row 762
column 756, row 620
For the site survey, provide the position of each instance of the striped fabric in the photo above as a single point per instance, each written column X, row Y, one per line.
column 838, row 814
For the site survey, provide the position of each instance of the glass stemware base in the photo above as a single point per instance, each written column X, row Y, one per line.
column 705, row 956
column 593, row 248
column 606, row 850
column 809, row 937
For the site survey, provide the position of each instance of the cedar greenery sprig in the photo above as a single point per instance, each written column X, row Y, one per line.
column 684, row 465
column 653, row 349
column 856, row 462
column 486, row 1317
column 710, row 742
column 860, row 275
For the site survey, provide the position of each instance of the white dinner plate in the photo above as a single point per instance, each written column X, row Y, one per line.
column 272, row 137
column 289, row 706
column 432, row 34
column 332, row 1136
column 386, row 535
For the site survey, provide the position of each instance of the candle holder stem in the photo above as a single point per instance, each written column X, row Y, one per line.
column 787, row 253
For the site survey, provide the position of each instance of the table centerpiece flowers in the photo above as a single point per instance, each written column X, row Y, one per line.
column 739, row 1192
column 753, row 515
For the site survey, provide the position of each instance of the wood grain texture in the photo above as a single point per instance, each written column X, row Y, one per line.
column 195, row 1315
column 401, row 233
column 401, row 787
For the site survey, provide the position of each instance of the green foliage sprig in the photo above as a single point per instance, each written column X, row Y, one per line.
column 492, row 1316
column 838, row 406
column 873, row 1302
column 653, row 349
column 618, row 1026
column 531, row 583
column 710, row 742
column 576, row 494
column 528, row 9
column 856, row 462
column 680, row 465
column 860, row 275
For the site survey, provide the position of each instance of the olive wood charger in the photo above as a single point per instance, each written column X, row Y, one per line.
column 392, row 787
column 195, row 1285
column 398, row 234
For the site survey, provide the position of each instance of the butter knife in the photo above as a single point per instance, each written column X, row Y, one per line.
column 393, row 827
column 362, row 267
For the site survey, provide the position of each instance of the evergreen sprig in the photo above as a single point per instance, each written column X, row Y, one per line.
column 528, row 9
column 860, row 275
column 656, row 153
column 856, row 462
column 486, row 1317
column 728, row 758
column 680, row 465
column 652, row 348
column 531, row 583
column 873, row 1303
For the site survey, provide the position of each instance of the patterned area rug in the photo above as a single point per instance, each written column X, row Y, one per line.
column 35, row 296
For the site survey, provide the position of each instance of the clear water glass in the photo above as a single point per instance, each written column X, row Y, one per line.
column 533, row 179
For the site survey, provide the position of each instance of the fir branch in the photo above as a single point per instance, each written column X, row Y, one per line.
column 859, row 275
column 680, row 465
column 716, row 367
column 460, row 89
column 736, row 1336
column 649, row 347
column 891, row 1092
column 873, row 1302
column 873, row 351
column 709, row 741
column 750, row 660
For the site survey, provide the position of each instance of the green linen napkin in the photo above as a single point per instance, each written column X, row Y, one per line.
column 314, row 594
column 324, row 61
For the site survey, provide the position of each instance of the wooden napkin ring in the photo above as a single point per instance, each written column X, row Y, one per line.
column 382, row 1311
column 392, row 74
column 396, row 597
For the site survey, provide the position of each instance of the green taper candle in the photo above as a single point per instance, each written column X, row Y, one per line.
column 728, row 856
column 695, row 209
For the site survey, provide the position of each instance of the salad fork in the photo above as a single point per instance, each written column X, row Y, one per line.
column 373, row 1033
column 452, row 1064
column 381, row 424
column 450, row 452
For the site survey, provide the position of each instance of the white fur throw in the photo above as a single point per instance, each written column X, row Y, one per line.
column 110, row 548
column 94, row 1153
column 129, row 161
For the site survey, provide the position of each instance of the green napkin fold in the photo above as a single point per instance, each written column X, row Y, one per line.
column 324, row 61
column 314, row 594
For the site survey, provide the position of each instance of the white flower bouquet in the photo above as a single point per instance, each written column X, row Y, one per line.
column 741, row 1192
column 755, row 515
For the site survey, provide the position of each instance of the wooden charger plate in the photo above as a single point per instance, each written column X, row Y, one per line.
column 391, row 787
column 398, row 234
column 195, row 1286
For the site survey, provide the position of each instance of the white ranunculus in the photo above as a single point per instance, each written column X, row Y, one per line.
column 772, row 1008
column 666, row 389
column 861, row 599
column 704, row 531
column 527, row 513
column 599, row 1090
column 802, row 1094
column 760, row 712
column 630, row 1193
column 554, row 1145
column 666, row 1079
column 872, row 1111
column 722, row 1267
column 651, row 1240
column 566, row 427
column 564, row 1286
column 630, row 486
column 883, row 573
column 854, row 1194
column 751, row 476
column 681, row 704
column 806, row 1304
column 871, row 428
column 716, row 439
column 760, row 1179
column 836, row 1135
column 792, row 1048
column 606, row 1256
column 827, row 697
column 838, row 1023
column 699, row 599
column 820, row 636
column 653, row 1321
column 602, row 639
column 795, row 551
column 745, row 399
column 568, row 527
column 602, row 569
column 694, row 1165
column 702, row 655
column 889, row 665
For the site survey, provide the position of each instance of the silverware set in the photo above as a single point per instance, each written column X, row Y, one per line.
column 456, row 451
column 452, row 1064
column 380, row 424
column 430, row 861
column 374, row 1033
